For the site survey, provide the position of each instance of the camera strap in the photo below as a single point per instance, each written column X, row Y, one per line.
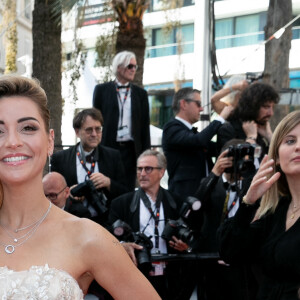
column 155, row 215
column 83, row 162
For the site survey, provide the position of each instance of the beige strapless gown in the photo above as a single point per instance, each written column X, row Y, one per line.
column 39, row 282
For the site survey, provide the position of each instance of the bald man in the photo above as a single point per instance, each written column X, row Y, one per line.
column 57, row 191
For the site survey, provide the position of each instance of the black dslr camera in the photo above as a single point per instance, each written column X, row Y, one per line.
column 243, row 159
column 124, row 233
column 181, row 227
column 95, row 198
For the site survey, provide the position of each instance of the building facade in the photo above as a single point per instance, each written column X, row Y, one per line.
column 177, row 55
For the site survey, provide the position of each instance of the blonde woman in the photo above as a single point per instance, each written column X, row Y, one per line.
column 272, row 239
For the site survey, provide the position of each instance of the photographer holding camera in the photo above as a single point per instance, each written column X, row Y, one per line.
column 146, row 211
column 219, row 193
column 250, row 119
column 97, row 169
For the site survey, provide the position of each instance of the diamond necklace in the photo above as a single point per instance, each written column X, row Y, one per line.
column 9, row 249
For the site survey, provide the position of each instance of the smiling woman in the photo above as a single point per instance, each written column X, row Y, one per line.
column 61, row 253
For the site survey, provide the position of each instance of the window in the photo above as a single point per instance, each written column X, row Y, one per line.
column 161, row 109
column 240, row 31
column 27, row 9
column 163, row 44
column 296, row 29
column 157, row 5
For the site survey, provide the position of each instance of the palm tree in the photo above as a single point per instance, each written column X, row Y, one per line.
column 46, row 65
column 131, row 35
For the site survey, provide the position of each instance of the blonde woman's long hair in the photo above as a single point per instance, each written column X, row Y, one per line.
column 280, row 188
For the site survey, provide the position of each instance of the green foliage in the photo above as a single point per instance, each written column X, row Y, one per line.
column 105, row 49
column 11, row 39
column 75, row 66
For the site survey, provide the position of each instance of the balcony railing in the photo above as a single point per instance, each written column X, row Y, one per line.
column 169, row 49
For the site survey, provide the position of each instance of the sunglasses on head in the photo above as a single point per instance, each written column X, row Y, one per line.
column 132, row 66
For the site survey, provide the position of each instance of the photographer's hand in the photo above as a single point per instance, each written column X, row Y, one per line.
column 100, row 181
column 75, row 197
column 261, row 182
column 223, row 162
column 265, row 131
column 130, row 247
column 250, row 129
column 178, row 244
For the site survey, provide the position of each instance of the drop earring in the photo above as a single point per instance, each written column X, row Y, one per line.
column 49, row 163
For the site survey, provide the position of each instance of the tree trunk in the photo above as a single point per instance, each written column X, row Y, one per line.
column 277, row 52
column 136, row 44
column 46, row 66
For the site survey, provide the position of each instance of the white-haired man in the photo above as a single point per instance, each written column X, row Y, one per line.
column 125, row 111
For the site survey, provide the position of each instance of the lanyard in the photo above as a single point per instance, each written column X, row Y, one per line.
column 225, row 209
column 83, row 163
column 155, row 216
column 122, row 103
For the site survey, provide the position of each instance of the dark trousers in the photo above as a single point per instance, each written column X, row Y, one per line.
column 128, row 158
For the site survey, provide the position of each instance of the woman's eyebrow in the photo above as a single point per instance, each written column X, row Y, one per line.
column 26, row 119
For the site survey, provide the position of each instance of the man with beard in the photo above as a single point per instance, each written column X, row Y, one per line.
column 250, row 119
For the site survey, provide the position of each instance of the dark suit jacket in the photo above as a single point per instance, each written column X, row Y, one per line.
column 64, row 162
column 76, row 208
column 212, row 195
column 127, row 209
column 106, row 100
column 187, row 154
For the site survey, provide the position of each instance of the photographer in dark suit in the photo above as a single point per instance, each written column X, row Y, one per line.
column 219, row 193
column 90, row 161
column 147, row 210
column 125, row 110
column 189, row 152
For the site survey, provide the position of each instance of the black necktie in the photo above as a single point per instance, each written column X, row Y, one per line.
column 195, row 129
column 227, row 186
column 89, row 158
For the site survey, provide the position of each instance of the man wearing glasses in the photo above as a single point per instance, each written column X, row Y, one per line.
column 88, row 160
column 147, row 210
column 57, row 191
column 188, row 151
column 188, row 154
column 125, row 110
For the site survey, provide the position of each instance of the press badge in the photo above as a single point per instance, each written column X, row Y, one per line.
column 158, row 268
column 123, row 131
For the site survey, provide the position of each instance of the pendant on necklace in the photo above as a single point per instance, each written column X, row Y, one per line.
column 15, row 240
column 293, row 216
column 9, row 249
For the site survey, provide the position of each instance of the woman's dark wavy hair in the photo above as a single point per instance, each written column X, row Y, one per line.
column 252, row 98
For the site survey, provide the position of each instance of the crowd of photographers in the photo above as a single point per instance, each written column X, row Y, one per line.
column 171, row 234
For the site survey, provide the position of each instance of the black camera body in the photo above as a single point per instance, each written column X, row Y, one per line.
column 181, row 228
column 243, row 159
column 95, row 198
column 124, row 233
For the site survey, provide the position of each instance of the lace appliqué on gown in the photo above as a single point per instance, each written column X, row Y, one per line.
column 39, row 282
